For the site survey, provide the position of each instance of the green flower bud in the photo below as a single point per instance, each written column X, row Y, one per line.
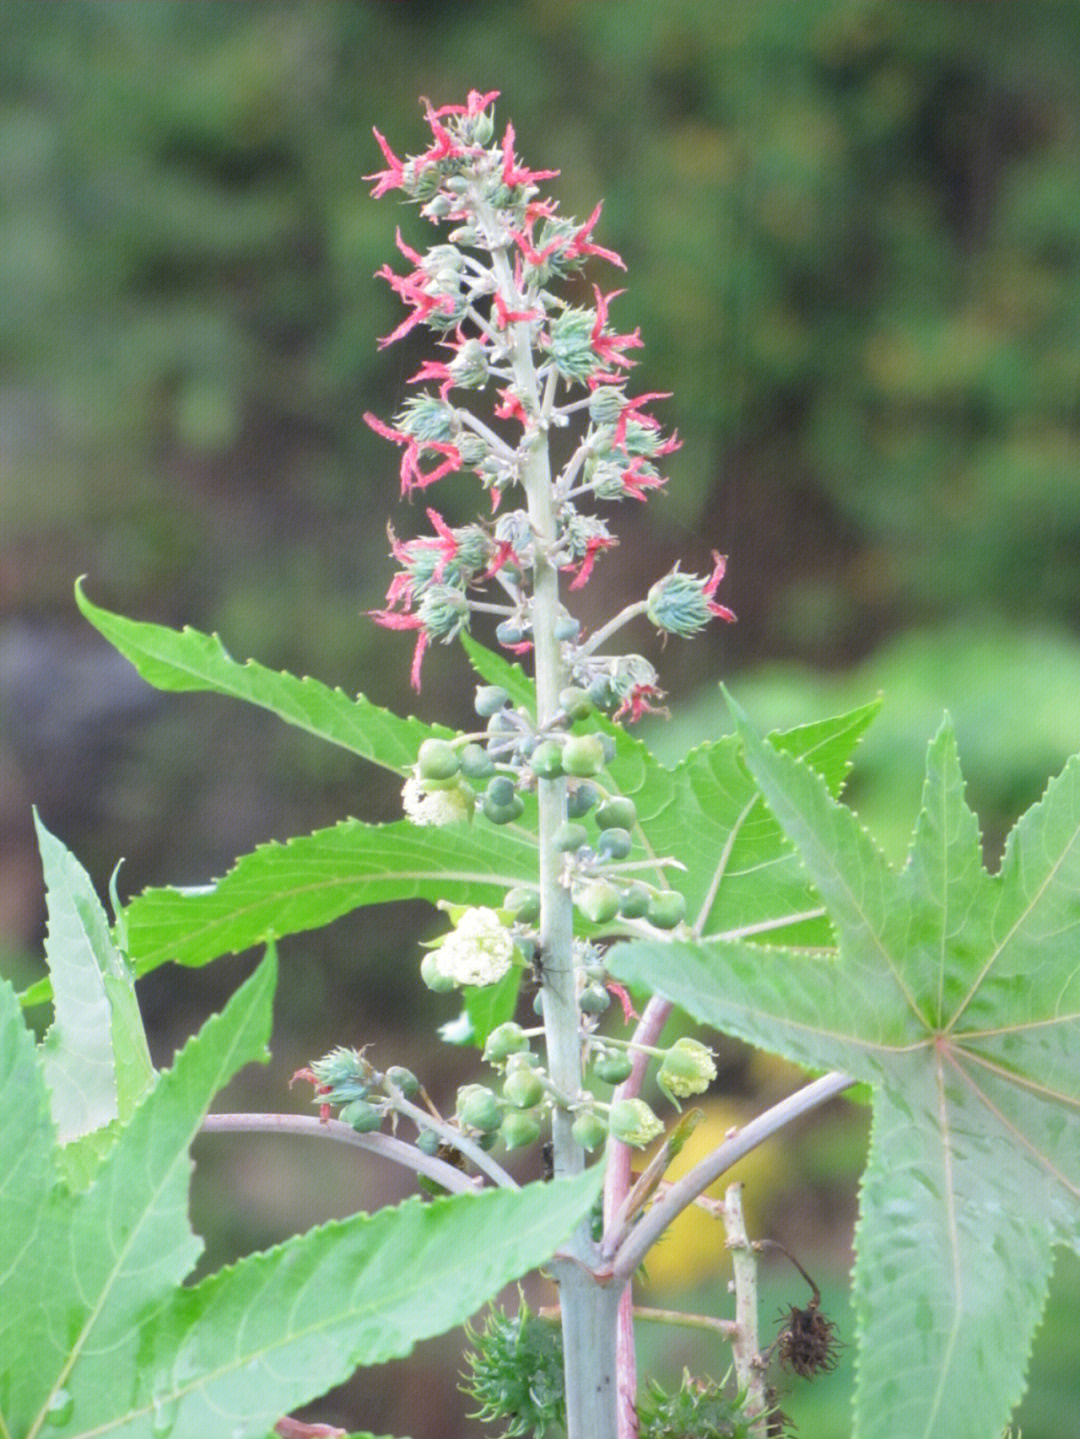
column 634, row 900
column 433, row 976
column 614, row 843
column 510, row 632
column 438, row 759
column 613, row 1067
column 599, row 902
column 505, row 1040
column 523, row 904
column 546, row 759
column 501, row 790
column 490, row 699
column 593, row 999
column 575, row 702
column 666, row 909
column 523, row 1088
column 580, row 799
column 403, row 1079
column 503, row 813
column 589, row 1130
column 476, row 763
column 567, row 627
column 632, row 1121
column 427, row 1141
column 362, row 1116
column 520, row 1128
column 583, row 755
column 477, row 1108
column 617, row 813
column 687, row 1069
column 570, row 837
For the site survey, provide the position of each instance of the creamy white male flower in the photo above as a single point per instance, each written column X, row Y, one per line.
column 437, row 806
column 478, row 951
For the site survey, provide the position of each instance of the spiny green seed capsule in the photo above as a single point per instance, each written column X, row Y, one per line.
column 490, row 699
column 476, row 763
column 478, row 1108
column 666, row 909
column 520, row 1128
column 523, row 904
column 546, row 760
column 589, row 1130
column 438, row 759
column 593, row 999
column 569, row 837
column 505, row 1040
column 614, row 843
column 523, row 1088
column 599, row 902
column 575, row 702
column 362, row 1116
column 613, row 1068
column 583, row 755
column 403, row 1079
column 632, row 1121
column 617, row 813
column 634, row 900
column 580, row 799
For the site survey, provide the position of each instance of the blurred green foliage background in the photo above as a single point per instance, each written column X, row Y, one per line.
column 852, row 229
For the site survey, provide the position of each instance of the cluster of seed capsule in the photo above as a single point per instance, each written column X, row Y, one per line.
column 494, row 771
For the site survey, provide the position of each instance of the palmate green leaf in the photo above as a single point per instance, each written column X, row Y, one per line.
column 187, row 660
column 955, row 995
column 282, row 889
column 96, row 1061
column 740, row 873
column 102, row 1261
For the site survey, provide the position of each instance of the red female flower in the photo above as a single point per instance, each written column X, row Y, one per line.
column 609, row 348
column 512, row 173
column 412, row 477
column 392, row 178
column 582, row 245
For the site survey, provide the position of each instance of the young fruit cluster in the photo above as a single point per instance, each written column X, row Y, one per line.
column 345, row 1081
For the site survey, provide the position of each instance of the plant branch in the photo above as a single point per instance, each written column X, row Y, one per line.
column 631, row 1246
column 749, row 1371
column 309, row 1125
